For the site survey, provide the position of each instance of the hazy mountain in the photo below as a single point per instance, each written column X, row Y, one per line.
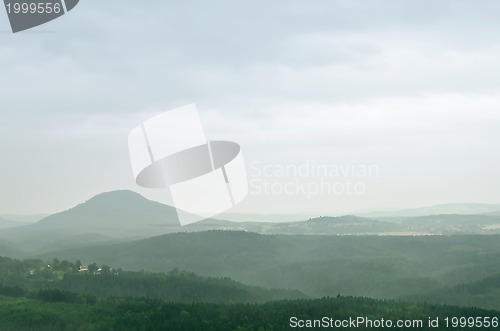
column 457, row 208
column 24, row 219
column 11, row 250
column 6, row 223
column 339, row 225
column 448, row 224
column 113, row 213
column 495, row 213
column 324, row 225
column 354, row 225
column 106, row 217
column 126, row 215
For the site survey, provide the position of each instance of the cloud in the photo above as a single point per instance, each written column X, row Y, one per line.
column 394, row 83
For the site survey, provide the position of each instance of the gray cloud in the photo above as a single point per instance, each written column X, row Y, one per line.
column 406, row 85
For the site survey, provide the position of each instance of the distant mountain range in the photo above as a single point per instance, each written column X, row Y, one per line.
column 126, row 215
column 446, row 224
column 456, row 208
column 24, row 219
column 384, row 257
column 6, row 223
column 452, row 209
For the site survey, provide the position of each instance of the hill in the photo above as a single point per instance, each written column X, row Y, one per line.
column 339, row 225
column 24, row 219
column 103, row 281
column 452, row 208
column 447, row 224
column 480, row 293
column 107, row 217
column 11, row 250
column 125, row 215
column 113, row 213
column 6, row 223
column 55, row 310
column 374, row 266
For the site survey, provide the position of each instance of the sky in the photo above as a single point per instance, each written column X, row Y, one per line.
column 337, row 105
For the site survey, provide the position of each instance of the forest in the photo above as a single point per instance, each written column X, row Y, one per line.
column 56, row 295
column 456, row 270
column 102, row 281
column 60, row 310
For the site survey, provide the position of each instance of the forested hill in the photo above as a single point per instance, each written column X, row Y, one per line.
column 408, row 268
column 54, row 311
column 102, row 281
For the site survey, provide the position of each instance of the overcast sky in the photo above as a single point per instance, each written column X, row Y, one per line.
column 410, row 87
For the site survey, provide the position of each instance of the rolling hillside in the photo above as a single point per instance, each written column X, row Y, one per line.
column 178, row 286
column 6, row 223
column 374, row 266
